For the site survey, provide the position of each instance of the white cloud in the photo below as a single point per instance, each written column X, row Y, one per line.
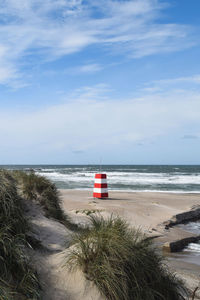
column 89, row 120
column 87, row 68
column 188, row 79
column 178, row 85
column 53, row 28
column 90, row 68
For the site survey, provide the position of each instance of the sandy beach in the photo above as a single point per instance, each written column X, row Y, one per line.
column 142, row 209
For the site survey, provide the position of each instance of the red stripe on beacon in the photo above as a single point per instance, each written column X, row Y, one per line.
column 100, row 186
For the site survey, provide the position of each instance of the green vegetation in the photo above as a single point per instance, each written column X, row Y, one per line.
column 39, row 188
column 44, row 192
column 88, row 211
column 17, row 279
column 123, row 263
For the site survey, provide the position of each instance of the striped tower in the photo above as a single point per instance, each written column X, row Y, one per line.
column 100, row 186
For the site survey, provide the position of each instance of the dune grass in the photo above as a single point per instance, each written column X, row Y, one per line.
column 17, row 279
column 44, row 192
column 122, row 263
column 39, row 188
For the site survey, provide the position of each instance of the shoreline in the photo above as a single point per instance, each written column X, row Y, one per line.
column 134, row 191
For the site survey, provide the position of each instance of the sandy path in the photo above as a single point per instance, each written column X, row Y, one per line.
column 56, row 280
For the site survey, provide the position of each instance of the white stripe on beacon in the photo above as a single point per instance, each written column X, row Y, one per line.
column 100, row 186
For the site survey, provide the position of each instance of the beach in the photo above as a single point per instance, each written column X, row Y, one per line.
column 56, row 216
column 140, row 209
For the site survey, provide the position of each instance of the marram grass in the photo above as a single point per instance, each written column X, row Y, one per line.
column 17, row 279
column 39, row 188
column 43, row 191
column 122, row 263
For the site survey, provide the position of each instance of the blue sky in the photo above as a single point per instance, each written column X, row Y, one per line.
column 110, row 80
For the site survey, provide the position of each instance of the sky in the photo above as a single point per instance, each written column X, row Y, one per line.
column 110, row 81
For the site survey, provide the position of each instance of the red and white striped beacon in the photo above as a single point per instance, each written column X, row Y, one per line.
column 100, row 186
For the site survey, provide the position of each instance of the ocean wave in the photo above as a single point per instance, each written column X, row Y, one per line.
column 123, row 178
column 68, row 177
column 172, row 179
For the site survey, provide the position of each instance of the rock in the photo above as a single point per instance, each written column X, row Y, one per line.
column 192, row 215
column 179, row 245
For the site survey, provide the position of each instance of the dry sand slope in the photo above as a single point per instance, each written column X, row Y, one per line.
column 56, row 280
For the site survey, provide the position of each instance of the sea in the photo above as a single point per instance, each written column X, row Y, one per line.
column 129, row 178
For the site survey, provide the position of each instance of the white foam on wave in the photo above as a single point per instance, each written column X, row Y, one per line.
column 58, row 170
column 152, row 178
column 55, row 176
column 193, row 247
column 161, row 177
column 46, row 170
column 193, row 227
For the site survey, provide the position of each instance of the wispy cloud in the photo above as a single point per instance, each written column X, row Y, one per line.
column 188, row 79
column 52, row 28
column 98, row 92
column 86, row 69
column 177, row 84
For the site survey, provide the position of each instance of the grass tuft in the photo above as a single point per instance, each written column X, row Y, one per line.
column 43, row 191
column 123, row 263
column 39, row 188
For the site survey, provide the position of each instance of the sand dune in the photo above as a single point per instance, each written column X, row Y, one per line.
column 144, row 210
